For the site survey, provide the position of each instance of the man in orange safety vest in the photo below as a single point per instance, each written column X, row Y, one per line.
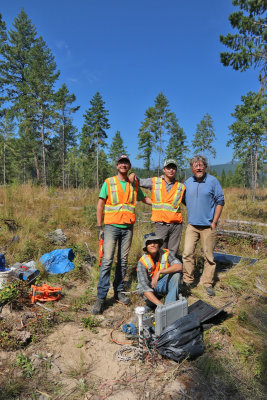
column 117, row 201
column 158, row 272
column 166, row 195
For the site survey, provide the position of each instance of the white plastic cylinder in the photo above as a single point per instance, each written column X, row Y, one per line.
column 139, row 311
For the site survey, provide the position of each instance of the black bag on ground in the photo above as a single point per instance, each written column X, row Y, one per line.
column 182, row 339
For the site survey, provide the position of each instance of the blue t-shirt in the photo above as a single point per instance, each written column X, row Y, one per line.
column 201, row 199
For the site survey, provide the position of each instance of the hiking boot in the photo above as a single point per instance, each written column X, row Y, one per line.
column 186, row 288
column 122, row 297
column 98, row 306
column 210, row 291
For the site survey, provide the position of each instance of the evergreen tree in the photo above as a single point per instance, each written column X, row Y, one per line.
column 177, row 147
column 27, row 73
column 65, row 128
column 248, row 134
column 223, row 178
column 229, row 179
column 94, row 131
column 15, row 58
column 74, row 166
column 116, row 148
column 239, row 178
column 157, row 125
column 213, row 172
column 145, row 141
column 14, row 62
column 8, row 144
column 204, row 138
column 249, row 44
column 41, row 75
column 3, row 40
column 162, row 116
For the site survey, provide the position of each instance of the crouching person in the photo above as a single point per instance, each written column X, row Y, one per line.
column 158, row 273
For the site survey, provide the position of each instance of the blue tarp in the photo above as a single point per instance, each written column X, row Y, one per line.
column 58, row 261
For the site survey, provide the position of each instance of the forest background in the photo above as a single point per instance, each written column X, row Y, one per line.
column 39, row 141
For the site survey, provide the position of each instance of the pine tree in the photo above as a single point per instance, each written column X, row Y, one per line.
column 28, row 74
column 63, row 102
column 223, row 178
column 161, row 124
column 94, row 131
column 229, row 179
column 3, row 40
column 204, row 137
column 8, row 149
column 15, row 58
column 249, row 44
column 145, row 141
column 116, row 148
column 156, row 126
column 248, row 134
column 177, row 147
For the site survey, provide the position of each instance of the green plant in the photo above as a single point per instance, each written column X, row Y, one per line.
column 12, row 388
column 10, row 293
column 242, row 316
column 25, row 364
column 84, row 299
column 91, row 323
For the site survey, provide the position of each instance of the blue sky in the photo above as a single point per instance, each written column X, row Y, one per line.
column 130, row 51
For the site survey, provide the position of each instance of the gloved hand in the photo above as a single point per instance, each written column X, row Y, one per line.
column 100, row 232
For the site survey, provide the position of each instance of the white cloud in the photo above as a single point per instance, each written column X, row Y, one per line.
column 62, row 45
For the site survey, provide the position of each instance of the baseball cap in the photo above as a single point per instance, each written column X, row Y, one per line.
column 152, row 236
column 170, row 161
column 123, row 157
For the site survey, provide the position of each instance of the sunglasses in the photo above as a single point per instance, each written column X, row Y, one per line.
column 149, row 235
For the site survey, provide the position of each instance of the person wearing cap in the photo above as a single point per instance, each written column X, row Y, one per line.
column 117, row 200
column 158, row 272
column 166, row 196
column 204, row 200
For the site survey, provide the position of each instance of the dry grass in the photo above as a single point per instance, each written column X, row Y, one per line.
column 234, row 363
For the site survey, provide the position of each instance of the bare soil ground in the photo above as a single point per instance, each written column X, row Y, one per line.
column 70, row 361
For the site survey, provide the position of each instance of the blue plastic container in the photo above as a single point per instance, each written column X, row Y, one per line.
column 2, row 262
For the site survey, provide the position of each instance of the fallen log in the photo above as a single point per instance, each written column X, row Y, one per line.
column 247, row 235
column 234, row 221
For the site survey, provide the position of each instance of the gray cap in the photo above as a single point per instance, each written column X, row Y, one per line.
column 170, row 161
column 152, row 236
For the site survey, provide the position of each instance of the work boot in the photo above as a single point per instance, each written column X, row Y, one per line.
column 186, row 288
column 210, row 291
column 121, row 297
column 98, row 306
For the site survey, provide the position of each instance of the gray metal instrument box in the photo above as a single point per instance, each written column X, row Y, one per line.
column 166, row 314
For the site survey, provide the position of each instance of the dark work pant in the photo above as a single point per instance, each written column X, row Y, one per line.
column 171, row 235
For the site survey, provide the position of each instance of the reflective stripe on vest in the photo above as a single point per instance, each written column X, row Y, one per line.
column 120, row 205
column 166, row 206
column 114, row 191
column 162, row 263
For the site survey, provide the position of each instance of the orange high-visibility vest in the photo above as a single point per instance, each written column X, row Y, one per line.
column 166, row 206
column 162, row 263
column 120, row 205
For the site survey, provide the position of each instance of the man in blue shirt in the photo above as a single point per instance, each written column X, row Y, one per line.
column 204, row 201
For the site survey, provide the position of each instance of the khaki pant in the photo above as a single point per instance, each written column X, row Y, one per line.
column 208, row 238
